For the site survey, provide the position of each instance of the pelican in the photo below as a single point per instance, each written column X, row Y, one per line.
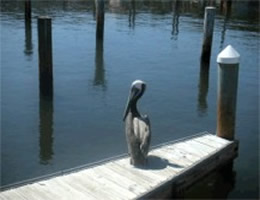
column 137, row 126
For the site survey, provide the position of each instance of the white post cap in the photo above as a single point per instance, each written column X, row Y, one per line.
column 228, row 56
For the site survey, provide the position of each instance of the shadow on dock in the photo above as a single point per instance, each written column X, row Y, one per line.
column 156, row 163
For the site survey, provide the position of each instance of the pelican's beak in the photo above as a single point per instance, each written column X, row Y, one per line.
column 131, row 96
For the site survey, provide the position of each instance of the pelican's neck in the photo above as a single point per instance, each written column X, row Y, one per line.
column 134, row 109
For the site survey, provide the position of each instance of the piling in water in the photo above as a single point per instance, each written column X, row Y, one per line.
column 45, row 55
column 228, row 68
column 27, row 10
column 100, row 17
column 208, row 33
column 28, row 37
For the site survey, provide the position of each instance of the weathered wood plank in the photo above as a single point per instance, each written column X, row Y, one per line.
column 74, row 185
column 202, row 146
column 119, row 179
column 11, row 195
column 173, row 157
column 110, row 182
column 97, row 187
column 145, row 173
column 144, row 183
column 218, row 139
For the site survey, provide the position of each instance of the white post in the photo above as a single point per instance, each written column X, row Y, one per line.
column 228, row 68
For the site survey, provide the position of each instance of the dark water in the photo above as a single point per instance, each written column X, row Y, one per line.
column 149, row 40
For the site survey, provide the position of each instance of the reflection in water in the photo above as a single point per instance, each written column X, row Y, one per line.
column 46, row 129
column 28, row 48
column 203, row 88
column 132, row 13
column 65, row 5
column 217, row 185
column 212, row 3
column 175, row 20
column 225, row 6
column 99, row 79
column 227, row 13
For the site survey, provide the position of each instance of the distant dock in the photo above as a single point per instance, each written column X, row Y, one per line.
column 172, row 167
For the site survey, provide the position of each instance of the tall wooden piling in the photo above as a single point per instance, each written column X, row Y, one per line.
column 208, row 28
column 228, row 68
column 100, row 17
column 45, row 55
column 27, row 10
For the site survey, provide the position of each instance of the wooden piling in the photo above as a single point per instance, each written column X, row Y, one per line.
column 27, row 10
column 228, row 68
column 28, row 37
column 208, row 28
column 100, row 17
column 45, row 55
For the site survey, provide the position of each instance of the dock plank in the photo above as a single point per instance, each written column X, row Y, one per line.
column 173, row 157
column 177, row 163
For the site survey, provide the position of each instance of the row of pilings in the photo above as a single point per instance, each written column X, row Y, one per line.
column 226, row 97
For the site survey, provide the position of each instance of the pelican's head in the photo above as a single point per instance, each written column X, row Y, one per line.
column 136, row 91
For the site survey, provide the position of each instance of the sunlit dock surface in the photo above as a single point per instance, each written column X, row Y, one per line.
column 172, row 166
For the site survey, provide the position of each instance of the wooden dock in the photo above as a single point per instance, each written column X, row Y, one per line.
column 172, row 166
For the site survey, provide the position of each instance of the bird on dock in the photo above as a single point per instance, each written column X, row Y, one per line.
column 137, row 126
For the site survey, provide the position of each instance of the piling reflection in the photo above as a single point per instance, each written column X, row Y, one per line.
column 225, row 6
column 227, row 13
column 132, row 13
column 175, row 20
column 217, row 185
column 203, row 88
column 28, row 47
column 99, row 79
column 46, row 129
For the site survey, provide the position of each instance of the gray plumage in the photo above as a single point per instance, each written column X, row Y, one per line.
column 137, row 127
